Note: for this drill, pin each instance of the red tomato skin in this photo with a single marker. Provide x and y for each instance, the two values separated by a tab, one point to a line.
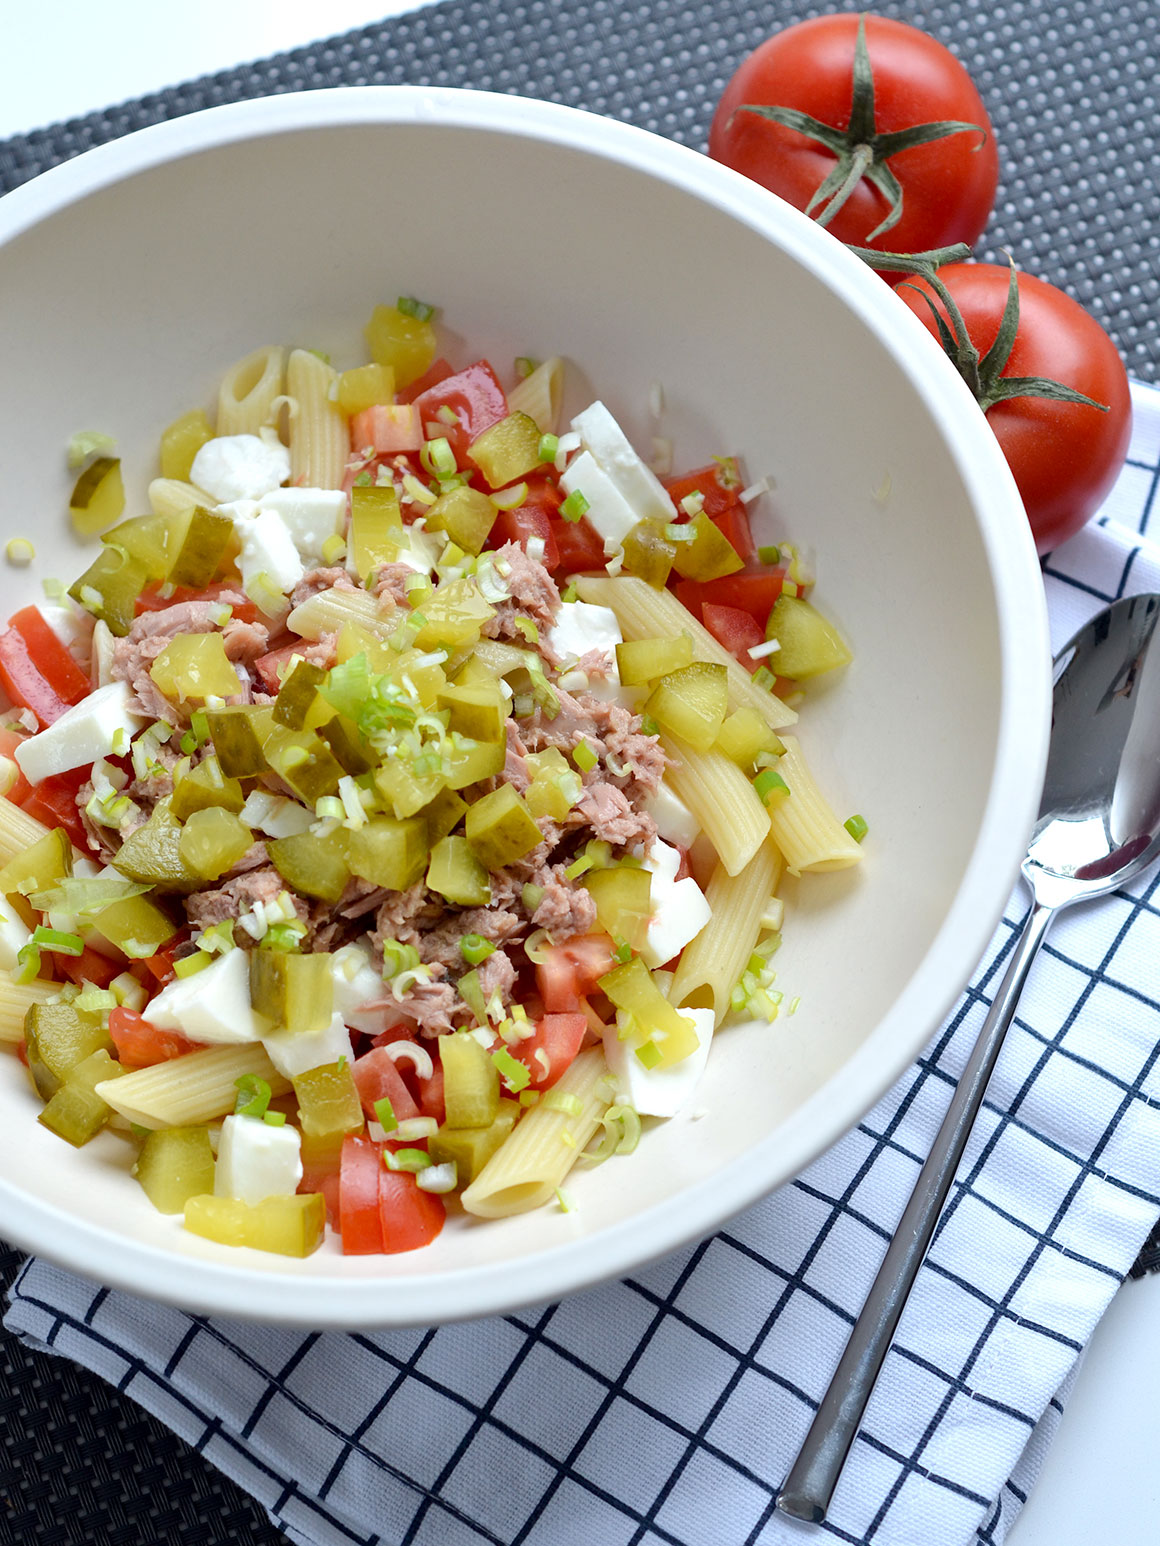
141	1045
751	590
534	518
409	1218
570	971
54	801
559	1037
720	497
949	185
376	1078
1064	456
37	669
358	1197
89	966
581	550
734	629
476	398
244	610
432	376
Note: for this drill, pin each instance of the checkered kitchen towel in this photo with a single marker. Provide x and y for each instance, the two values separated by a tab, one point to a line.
667	1408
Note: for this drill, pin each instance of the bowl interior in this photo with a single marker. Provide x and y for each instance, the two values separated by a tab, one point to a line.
535	235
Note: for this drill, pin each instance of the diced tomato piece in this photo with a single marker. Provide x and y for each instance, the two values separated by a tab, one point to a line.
244	611
158	968
432	376
270	666
752	590
358	1196
558	1037
570	971
579	546
9	741
522	523
316	1179
719	491
89	966
36	669
734	527
386	429
54	801
475	397
408	1216
141	1045
735	629
431	1093
377	1078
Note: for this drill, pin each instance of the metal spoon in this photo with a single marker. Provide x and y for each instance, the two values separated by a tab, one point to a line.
1099	824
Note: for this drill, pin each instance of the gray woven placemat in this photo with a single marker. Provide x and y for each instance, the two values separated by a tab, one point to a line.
1072	88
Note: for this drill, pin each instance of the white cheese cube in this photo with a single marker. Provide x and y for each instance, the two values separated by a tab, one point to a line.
658	1092
311	515
675	821
609	513
268	548
104	645
680	912
211	1006
293	1052
632	477
240	466
256	1160
81	734
275	815
663	862
419	551
580	627
13	936
357	981
72	626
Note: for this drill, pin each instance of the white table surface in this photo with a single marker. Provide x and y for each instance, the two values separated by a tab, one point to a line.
1101	1483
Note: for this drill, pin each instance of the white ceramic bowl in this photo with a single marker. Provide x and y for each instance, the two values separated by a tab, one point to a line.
130	277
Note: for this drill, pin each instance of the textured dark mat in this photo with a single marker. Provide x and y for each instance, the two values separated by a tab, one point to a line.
1072	89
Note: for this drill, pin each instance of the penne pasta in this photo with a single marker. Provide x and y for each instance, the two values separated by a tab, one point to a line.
16	998
191	1089
246	395
541	395
646	613
721	798
18	830
804	825
319	434
171	497
714	961
526	1170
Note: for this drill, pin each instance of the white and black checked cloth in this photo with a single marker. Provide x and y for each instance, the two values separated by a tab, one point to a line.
666	1408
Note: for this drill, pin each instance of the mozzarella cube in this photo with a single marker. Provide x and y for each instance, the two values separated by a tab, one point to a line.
658	1092
294	1052
580	627
13	936
609	513
675	821
421	549
268	548
663	861
240	466
256	1160
82	734
104	647
72	626
632	477
357	981
211	1006
275	815
680	913
310	515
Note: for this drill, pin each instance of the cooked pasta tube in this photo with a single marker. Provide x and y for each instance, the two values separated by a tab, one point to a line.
804	825
190	1089
171	497
646	613
18	830
712	963
526	1169
16	998
541	395
319	435
246	395
722	799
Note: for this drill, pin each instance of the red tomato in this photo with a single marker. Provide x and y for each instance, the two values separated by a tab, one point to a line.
948	185
752	590
36	669
571	971
432	376
158	968
474	396
534	518
558	1037
358	1196
54	801
1064	456
269	667
89	966
377	1078
579	546
141	1045
408	1216
735	630
719	488
386	429
245	611
9	740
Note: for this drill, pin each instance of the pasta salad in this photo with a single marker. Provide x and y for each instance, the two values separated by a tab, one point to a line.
393	814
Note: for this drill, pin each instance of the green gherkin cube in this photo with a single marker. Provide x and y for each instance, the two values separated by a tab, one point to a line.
500	830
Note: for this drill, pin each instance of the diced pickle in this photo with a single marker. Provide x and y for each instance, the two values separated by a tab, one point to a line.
506	451
328	1100
455	873
555	785
470	1148
212	841
152	854
364	386
631	988
98	497
145	538
295	991
180	443
109	589
472	761
297	694
376	528
710	555
37	868
648	553
57	1037
285	1226
203	787
454	614
810	644
175	1164
499	828
238	734
643	660
692	702
316	866
466	515
478	710
200	542
443	815
401	341
401	788
195	665
623	897
76	1112
744	735
425	676
304	762
389	853
136	925
346	744
470	1082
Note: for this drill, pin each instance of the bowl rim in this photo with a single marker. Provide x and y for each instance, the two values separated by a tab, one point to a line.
331	1301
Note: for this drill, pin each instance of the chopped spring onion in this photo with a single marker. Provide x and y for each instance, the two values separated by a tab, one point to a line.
446	414
438	458
398	957
385	1115
410	307
253	1096
475	949
769	555
525	365
595	855
648	725
19	551
418	491
549	448
94	999
675	532
188	966
274	1118
560	1100
419	1056
570	593
528	628
769	786
857	827
471	993
574	506
584	757
89	442
333	549
412	1160
623	951
763	677
509	498
566	1203
755	491
58	942
411	1129
514	1074
793	1004
760	651
649	1054
438	1178
692	504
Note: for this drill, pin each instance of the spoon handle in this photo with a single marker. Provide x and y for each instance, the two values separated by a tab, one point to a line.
814	1475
